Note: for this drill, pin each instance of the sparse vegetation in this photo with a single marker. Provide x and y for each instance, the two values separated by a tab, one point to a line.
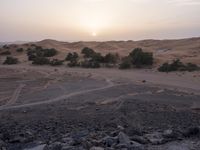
41	61
126	63
111	58
73	59
140	58
6	47
177	65
5	53
87	52
90	64
56	62
10	61
40	52
20	50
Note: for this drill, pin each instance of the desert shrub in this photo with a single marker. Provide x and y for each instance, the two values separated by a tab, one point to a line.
11	60
97	57
56	62
5	53
140	58
20	50
177	65
6	47
31	57
90	64
73	64
192	67
40	61
40	52
126	63
72	56
87	52
111	58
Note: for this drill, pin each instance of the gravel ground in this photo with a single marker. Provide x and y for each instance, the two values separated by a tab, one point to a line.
95	113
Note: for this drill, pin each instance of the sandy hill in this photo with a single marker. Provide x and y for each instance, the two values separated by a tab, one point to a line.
188	50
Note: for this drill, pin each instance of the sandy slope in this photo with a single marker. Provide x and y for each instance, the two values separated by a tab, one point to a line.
188	50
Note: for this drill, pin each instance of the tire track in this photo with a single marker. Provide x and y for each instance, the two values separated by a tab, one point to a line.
63	97
15	95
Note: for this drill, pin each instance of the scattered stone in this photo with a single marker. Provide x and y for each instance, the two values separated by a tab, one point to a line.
125	142
193	131
139	139
123	138
54	146
39	147
160	91
96	148
144	81
120	128
155	138
109	141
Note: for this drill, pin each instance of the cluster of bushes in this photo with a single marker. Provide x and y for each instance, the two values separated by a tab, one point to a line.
20	50
5	53
177	65
40	52
91	59
10	61
137	58
6	47
73	59
39	56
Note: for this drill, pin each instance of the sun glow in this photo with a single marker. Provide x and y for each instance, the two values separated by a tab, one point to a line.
94	34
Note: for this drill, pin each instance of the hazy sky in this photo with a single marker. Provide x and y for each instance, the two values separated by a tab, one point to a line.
74	20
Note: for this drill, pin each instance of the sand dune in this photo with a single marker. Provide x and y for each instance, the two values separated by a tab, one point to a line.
188	50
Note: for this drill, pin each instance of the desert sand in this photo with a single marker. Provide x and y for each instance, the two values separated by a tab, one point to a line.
187	50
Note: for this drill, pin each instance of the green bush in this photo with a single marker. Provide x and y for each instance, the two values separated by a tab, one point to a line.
10	61
5	53
87	52
97	57
6	47
73	64
192	67
72	56
177	65
140	58
56	62
20	50
111	58
126	63
90	64
40	52
41	61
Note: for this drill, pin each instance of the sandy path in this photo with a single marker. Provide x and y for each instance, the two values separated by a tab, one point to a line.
63	97
15	95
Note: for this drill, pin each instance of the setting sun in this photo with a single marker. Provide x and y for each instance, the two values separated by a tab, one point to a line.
94	34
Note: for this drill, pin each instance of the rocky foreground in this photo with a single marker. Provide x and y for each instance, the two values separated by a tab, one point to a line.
54	110
95	139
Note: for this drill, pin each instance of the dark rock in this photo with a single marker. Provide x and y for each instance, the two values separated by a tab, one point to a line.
155	138
139	139
125	142
54	146
191	132
109	141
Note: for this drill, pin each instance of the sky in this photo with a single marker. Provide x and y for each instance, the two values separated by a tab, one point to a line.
98	20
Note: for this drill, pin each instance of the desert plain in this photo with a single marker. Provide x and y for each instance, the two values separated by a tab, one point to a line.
62	108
